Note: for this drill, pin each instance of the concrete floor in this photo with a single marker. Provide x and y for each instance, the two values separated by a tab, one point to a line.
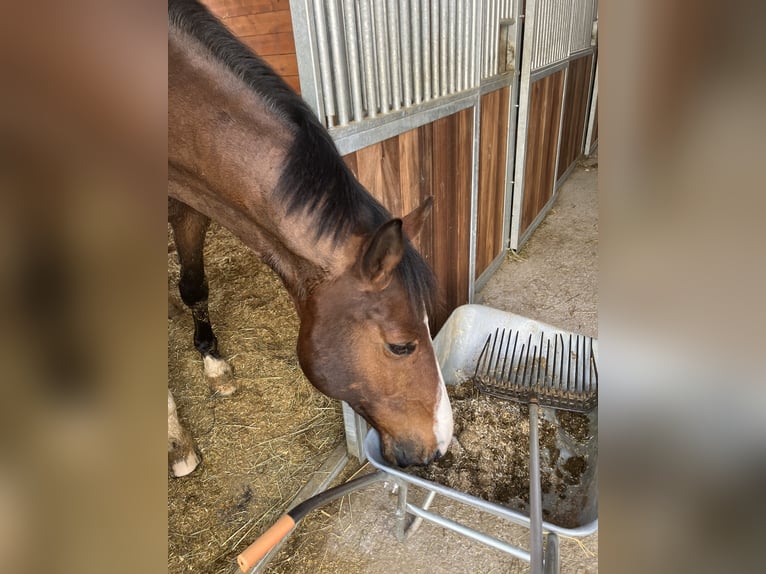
552	279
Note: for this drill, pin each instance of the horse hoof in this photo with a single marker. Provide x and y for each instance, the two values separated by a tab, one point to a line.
185	465
219	376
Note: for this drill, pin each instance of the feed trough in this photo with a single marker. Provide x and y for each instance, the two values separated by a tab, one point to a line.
569	509
569	505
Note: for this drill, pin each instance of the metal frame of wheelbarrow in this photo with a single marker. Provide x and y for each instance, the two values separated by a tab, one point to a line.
422	512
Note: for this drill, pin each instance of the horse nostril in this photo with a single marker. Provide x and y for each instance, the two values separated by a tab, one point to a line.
405	456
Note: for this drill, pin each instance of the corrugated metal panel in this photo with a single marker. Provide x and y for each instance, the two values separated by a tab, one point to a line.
583	14
379	56
552	26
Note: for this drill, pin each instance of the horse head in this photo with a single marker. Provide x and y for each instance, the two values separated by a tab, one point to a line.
364	339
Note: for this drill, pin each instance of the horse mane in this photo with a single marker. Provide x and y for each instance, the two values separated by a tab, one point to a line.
315	179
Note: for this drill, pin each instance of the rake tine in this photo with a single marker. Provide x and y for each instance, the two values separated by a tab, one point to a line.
513	357
481	363
569	365
526	361
547	360
518	367
575	383
490	370
505	357
593	364
496	380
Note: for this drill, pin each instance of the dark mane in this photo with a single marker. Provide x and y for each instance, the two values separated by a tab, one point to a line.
315	178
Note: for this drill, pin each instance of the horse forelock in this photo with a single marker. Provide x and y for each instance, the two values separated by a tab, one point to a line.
315	180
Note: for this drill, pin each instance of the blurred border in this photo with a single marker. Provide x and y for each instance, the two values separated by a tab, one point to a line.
83	234
683	406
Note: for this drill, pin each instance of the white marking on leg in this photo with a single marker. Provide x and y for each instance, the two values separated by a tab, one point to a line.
215	368
179	440
443	422
186	465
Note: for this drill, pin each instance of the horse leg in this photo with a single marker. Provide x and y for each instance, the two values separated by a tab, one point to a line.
182	453
189	229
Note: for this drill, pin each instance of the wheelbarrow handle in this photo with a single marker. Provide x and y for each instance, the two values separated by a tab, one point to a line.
268	540
282	527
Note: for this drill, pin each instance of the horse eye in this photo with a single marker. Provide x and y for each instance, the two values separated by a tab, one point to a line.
401	350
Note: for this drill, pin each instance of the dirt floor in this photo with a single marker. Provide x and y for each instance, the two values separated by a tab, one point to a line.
261	445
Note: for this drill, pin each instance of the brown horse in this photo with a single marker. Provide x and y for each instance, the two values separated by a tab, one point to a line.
247	152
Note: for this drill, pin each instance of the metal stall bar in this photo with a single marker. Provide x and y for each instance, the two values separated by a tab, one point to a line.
395	62
325	67
369	57
352	48
452	42
417	52
461	34
337	45
381	51
404	34
443	41
427	48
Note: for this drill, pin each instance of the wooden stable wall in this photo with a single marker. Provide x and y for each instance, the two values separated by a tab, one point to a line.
575	112
265	26
402	171
493	147
545	99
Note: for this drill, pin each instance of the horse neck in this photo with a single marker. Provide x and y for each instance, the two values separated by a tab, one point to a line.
226	151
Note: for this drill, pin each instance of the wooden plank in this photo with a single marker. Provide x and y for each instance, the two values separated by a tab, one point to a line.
350	160
414	184
575	112
545	103
451	153
270	44
378	171
426	237
283	64
492	164
294	82
230	8
278	22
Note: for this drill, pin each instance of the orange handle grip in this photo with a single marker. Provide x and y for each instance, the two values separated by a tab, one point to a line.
258	549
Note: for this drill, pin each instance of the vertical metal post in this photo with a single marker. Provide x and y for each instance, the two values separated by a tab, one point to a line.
356	429
301	12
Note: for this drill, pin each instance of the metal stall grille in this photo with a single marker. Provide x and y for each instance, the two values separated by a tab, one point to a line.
583	16
371	57
362	60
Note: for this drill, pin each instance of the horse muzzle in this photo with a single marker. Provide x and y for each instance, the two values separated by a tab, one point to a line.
408	453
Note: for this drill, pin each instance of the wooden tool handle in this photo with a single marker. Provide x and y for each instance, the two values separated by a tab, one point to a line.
258	549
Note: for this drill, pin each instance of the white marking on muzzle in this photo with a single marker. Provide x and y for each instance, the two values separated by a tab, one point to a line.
443	423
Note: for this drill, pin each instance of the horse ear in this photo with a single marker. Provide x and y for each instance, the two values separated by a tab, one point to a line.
413	222
383	253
